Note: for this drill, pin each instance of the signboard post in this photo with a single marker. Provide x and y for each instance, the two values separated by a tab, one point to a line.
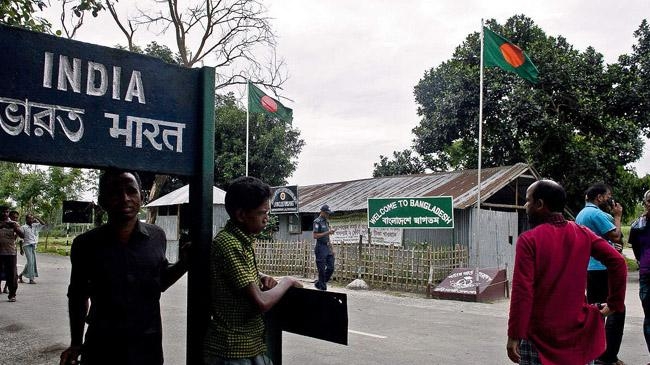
69	103
412	213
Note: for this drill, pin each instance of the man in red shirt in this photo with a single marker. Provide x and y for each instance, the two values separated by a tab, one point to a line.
550	321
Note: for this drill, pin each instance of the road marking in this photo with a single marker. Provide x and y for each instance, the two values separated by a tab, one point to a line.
366	334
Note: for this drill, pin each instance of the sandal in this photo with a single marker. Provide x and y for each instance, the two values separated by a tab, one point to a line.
12	299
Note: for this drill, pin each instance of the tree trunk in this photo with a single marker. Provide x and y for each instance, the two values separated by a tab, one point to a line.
154	193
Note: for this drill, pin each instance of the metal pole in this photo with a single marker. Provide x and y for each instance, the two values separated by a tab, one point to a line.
478	194
198	314
248	96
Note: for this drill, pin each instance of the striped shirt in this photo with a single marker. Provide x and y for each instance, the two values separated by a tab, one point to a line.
236	328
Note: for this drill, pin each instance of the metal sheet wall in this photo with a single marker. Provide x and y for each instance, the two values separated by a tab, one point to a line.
497	238
169	224
441	237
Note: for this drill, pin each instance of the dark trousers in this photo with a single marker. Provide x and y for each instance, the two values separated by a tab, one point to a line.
644	295
124	349
597	292
325	268
324	264
8	268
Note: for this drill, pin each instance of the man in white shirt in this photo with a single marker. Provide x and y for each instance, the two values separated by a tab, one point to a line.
31	229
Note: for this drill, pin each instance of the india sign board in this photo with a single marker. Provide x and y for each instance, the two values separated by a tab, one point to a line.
416	212
285	200
78	104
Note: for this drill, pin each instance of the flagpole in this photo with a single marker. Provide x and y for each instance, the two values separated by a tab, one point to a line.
480	145
248	106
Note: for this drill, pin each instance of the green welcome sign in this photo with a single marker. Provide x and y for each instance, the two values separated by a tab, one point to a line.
422	212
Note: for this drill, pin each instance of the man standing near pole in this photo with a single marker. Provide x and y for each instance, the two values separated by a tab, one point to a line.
550	322
119	271
323	250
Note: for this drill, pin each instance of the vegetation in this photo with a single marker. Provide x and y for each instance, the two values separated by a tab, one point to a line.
40	190
234	37
274	145
581	124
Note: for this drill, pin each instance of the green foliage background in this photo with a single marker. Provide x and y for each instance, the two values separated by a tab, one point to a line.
582	123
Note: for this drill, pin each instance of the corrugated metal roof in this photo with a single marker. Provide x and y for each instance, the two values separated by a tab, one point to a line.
182	196
461	185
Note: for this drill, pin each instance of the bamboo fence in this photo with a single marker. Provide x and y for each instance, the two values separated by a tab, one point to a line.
380	266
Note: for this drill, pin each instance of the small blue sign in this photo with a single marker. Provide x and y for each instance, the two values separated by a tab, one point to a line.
70	103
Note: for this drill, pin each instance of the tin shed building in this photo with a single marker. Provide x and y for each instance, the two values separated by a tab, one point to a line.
174	214
502	215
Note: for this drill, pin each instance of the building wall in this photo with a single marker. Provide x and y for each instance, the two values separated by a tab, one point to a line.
459	235
170	224
283	233
435	237
498	234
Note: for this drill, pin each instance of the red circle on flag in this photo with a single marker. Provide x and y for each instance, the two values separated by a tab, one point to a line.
269	104
512	54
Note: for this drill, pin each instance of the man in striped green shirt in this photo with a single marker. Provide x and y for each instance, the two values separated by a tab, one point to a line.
239	292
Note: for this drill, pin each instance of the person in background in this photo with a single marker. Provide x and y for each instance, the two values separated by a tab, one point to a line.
9	231
640	242
31	229
550	322
239	292
595	216
119	271
323	249
14	215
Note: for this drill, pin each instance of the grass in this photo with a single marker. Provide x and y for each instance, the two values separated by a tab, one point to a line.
57	245
632	265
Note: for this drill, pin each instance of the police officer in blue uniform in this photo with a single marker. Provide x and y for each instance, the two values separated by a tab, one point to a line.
323	249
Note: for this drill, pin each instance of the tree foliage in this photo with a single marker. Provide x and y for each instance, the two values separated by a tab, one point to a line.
404	163
39	189
581	124
274	145
233	36
21	13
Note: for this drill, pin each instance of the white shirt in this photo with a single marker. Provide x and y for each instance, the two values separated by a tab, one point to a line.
31	233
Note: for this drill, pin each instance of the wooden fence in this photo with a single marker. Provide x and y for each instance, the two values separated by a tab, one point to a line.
381	266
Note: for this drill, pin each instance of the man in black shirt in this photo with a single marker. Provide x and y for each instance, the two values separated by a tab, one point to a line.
121	269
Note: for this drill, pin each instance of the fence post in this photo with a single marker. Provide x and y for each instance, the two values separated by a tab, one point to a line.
359	257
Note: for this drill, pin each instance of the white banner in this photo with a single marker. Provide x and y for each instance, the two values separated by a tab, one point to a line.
350	226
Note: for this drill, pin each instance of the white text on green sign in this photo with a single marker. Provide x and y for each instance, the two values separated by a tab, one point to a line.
415	212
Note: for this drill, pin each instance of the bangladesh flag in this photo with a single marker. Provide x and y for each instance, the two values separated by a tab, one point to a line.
258	102
500	52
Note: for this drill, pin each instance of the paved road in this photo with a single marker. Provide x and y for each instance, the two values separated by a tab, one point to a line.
386	328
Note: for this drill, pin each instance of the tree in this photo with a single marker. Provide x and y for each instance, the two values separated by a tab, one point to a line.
575	126
227	35
20	13
274	145
233	36
39	189
404	163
